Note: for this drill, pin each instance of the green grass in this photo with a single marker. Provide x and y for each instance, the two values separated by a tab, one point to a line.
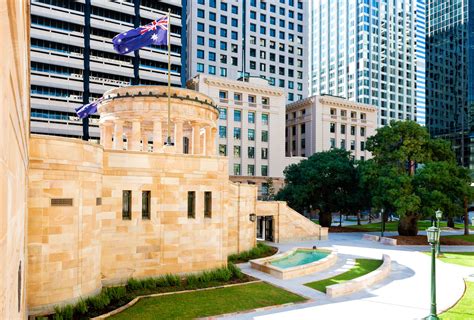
209	303
461	258
469	238
393	226
464	308
362	267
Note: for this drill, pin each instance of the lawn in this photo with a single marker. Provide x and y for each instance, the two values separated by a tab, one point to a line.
465	259
469	238
393	226
362	267
209	302
464	308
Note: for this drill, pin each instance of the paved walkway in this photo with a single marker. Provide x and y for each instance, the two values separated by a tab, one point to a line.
404	294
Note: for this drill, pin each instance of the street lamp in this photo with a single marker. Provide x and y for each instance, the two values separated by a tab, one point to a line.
439	215
432	234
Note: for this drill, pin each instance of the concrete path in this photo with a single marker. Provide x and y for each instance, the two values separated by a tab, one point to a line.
405	294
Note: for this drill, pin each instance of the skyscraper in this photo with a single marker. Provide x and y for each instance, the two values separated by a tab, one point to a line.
371	52
449	75
252	37
73	61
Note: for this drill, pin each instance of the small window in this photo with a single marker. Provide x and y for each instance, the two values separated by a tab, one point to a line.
126	204
61	202
146	197
191	204
207	204
98	201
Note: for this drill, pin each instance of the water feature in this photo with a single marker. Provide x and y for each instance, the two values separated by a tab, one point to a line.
299	257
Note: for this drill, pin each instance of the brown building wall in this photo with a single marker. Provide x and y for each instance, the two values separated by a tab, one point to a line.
14	125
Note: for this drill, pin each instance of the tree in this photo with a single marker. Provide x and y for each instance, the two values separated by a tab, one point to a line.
271	188
396	183
326	181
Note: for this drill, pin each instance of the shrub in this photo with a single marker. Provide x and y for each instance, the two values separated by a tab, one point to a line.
99	301
81	307
192	281
222	274
115	293
149	283
256	252
134	284
205	277
173	280
235	270
63	313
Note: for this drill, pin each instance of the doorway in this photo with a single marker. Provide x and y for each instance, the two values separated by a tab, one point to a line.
265	228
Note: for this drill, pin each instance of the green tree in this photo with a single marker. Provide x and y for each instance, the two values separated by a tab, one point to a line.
326	181
396	185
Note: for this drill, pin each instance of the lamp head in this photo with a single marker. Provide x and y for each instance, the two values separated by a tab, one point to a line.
439	214
432	233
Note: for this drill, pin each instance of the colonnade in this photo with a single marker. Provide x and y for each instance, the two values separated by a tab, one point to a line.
138	133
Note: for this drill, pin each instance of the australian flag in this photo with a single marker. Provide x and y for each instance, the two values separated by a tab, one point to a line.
87	109
155	33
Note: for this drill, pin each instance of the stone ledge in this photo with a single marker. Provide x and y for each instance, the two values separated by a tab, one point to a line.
388	241
370	237
136	299
337	290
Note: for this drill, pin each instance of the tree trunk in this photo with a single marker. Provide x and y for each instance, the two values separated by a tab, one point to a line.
325	219
407	226
450	222
358	218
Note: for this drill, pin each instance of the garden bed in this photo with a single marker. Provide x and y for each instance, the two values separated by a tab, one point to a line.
260	251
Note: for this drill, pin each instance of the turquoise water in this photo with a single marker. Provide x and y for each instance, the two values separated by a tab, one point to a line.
298	258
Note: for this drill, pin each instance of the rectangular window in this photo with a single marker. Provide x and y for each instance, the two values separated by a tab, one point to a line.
353	145
222	113
343	144
236	169
332	142
191	204
207	204
251	170
251	134
222	132
251	152
146	197
251	117
362	132
265	136
237	133
343	129
126	204
264	153
237	115
264	170
223	150
353	130
332	127
265	118
236	151
362	146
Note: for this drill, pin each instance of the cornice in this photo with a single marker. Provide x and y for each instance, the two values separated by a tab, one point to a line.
338	102
243	86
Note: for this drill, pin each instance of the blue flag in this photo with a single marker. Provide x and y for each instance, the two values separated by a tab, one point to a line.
155	33
87	109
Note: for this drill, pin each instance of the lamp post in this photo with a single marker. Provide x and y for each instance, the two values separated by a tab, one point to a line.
383	221
439	215
433	238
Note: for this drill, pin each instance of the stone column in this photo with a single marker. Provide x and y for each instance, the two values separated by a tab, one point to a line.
102	134
157	136
144	141
214	141
134	144
196	139
209	141
108	135
178	136
118	135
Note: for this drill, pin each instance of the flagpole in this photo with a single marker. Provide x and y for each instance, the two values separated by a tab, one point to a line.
169	77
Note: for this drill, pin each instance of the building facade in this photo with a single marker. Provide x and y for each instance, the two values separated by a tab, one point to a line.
252	38
172	208
449	73
250	126
73	61
372	52
321	123
14	153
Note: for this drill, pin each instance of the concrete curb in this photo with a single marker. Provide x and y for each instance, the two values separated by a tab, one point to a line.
136	299
337	290
370	237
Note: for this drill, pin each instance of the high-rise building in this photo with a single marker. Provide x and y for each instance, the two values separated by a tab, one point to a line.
252	38
73	61
449	73
371	52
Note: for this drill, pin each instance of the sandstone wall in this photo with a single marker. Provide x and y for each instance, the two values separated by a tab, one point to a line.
169	242
290	225
14	133
63	241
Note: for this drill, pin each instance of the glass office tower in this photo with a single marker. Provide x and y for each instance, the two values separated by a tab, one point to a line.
371	52
73	61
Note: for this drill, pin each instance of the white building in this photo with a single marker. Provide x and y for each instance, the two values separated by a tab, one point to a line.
251	124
